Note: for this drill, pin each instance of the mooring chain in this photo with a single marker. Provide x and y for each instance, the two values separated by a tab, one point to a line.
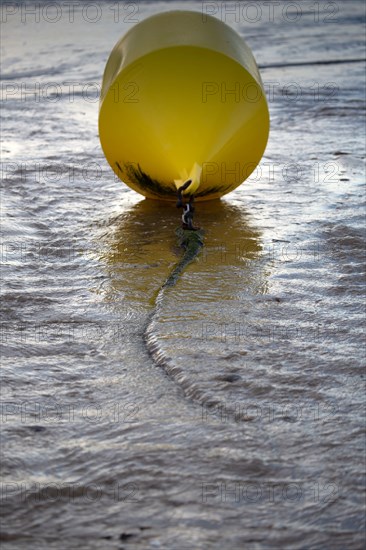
188	208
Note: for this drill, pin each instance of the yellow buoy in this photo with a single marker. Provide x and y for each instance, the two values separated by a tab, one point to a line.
182	98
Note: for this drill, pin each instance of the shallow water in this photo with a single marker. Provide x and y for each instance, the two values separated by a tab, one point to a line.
248	433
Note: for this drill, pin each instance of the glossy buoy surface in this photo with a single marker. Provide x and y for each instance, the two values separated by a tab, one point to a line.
182	97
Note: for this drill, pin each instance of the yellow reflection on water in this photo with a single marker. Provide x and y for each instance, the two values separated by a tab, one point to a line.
140	248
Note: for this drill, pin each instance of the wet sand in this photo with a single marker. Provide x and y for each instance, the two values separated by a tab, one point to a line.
249	433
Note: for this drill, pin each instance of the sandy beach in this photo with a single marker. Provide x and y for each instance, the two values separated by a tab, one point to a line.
249	434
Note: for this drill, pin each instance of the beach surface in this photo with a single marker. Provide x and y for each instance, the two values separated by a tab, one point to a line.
249	435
